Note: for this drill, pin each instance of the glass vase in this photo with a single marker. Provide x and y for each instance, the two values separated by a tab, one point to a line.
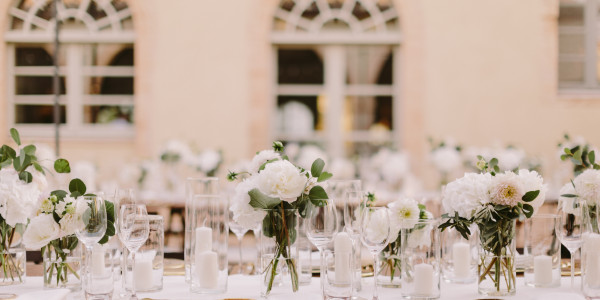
13	260
389	265
420	252
148	271
62	266
496	269
279	254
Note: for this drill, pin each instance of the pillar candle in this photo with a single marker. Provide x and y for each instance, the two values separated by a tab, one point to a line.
98	261
591	244
423	281
143	274
207	269
461	259
542	270
342	247
203	239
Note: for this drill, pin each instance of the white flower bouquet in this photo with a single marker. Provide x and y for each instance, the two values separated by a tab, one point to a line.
493	201
446	158
273	187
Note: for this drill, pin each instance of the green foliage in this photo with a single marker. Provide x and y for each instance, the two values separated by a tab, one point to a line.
277	146
318	196
317	167
581	157
15	136
530	196
61	165
457	222
77	188
324	176
262	201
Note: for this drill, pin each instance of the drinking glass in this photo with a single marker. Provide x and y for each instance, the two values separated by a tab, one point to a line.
374	234
134	228
93	228
239	232
321	227
570	228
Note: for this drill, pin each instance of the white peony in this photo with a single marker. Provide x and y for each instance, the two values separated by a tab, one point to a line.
260	158
404	214
180	150
506	189
567	202
587	185
395	168
40	231
209	160
446	159
510	158
466	194
244	214
281	179
532	181
18	200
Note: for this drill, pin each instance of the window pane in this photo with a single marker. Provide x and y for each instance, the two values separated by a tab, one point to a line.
37	85
571	43
37	114
368	113
104	114
108	86
298	115
369	65
299	66
571	16
570	71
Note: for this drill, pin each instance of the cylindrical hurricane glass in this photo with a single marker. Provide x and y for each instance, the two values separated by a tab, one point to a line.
459	256
149	259
542	249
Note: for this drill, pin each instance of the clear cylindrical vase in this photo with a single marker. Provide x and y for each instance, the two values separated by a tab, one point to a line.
390	265
459	256
338	271
62	264
496	271
279	252
304	255
209	264
542	249
420	251
148	271
13	260
194	187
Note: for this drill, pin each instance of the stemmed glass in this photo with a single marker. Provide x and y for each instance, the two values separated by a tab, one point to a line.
91	230
321	227
134	228
239	232
570	228
374	234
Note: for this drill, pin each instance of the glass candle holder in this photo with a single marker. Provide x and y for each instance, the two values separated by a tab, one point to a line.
459	256
99	282
304	255
339	264
208	255
590	266
193	187
542	249
149	260
420	255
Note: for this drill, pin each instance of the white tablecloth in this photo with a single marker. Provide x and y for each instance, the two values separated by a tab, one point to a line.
248	287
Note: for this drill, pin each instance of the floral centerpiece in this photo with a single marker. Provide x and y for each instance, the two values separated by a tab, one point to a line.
272	190
404	214
446	157
22	183
53	230
493	201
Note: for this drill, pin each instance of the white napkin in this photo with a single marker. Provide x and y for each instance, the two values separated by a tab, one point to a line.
58	294
559	296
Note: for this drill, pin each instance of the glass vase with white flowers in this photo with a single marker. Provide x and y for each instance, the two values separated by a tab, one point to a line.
53	231
273	194
493	201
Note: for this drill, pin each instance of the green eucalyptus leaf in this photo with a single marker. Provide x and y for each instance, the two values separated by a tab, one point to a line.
60	194
6	163
61	165
39	168
15	136
29	149
577	156
530	196
528	210
317	167
569	195
317	193
25	176
260	200
77	186
592	157
493	162
324	176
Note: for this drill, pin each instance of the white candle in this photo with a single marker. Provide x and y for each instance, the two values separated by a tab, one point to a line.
342	247
423	280
461	259
203	239
591	244
207	269
98	262
143	274
542	270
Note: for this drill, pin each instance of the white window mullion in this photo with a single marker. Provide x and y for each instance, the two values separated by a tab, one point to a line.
74	82
10	84
335	80
397	103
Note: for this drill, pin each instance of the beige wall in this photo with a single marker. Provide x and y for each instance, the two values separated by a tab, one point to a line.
478	70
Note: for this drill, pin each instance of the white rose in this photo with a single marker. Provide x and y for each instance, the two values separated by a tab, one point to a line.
40	231
244	214
404	214
260	158
587	185
19	200
466	194
446	159
532	181
281	179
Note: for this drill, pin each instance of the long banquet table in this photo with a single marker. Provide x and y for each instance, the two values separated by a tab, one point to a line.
247	287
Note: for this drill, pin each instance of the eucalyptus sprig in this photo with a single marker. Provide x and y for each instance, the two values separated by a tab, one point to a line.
485	166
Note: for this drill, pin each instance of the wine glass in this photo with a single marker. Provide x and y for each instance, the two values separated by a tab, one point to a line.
374	234
239	232
321	226
134	228
570	228
92	213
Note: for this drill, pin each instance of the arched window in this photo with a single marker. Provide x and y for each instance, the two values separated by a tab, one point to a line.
95	61
338	60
